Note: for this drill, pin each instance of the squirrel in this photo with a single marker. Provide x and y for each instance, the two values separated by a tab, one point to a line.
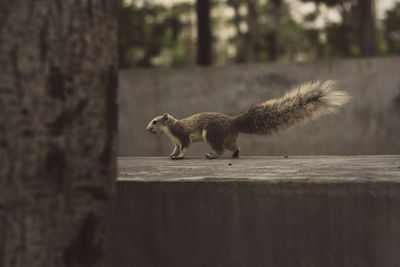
307	102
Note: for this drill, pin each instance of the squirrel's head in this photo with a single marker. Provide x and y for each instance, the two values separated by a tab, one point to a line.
160	124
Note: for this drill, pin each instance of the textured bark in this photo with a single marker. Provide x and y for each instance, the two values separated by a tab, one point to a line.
58	111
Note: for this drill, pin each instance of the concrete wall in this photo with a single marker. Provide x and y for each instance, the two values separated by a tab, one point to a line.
238	224
322	211
370	124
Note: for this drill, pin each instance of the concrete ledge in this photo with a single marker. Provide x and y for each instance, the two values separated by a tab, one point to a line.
261	211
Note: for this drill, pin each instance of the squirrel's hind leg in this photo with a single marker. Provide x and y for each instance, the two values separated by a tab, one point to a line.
216	142
214	155
231	144
235	150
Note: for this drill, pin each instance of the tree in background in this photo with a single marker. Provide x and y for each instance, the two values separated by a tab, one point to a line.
204	36
392	30
58	123
272	37
151	35
261	31
367	28
242	39
281	37
356	34
265	32
341	38
245	39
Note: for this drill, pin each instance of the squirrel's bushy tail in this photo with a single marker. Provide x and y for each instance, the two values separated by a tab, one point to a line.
306	102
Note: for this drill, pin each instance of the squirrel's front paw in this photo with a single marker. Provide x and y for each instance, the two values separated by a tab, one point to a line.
173	157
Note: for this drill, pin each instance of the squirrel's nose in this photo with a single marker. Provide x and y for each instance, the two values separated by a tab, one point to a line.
150	130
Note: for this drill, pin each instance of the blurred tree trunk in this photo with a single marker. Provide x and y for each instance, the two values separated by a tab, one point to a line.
190	51
204	38
346	28
240	56
249	40
272	41
367	28
272	37
58	119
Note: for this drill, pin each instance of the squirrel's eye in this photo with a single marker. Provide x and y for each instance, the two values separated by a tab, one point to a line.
154	122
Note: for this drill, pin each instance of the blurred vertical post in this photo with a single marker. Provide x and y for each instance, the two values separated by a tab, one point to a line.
189	36
204	37
368	41
252	29
58	123
272	37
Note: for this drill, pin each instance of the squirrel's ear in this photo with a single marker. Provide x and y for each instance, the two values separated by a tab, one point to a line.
165	116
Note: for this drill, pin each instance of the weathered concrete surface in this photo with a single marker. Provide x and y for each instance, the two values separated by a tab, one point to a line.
258	211
369	124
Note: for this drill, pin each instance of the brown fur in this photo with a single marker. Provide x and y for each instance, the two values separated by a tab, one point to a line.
220	131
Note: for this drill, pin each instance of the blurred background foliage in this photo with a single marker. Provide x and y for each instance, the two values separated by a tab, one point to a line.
220	32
